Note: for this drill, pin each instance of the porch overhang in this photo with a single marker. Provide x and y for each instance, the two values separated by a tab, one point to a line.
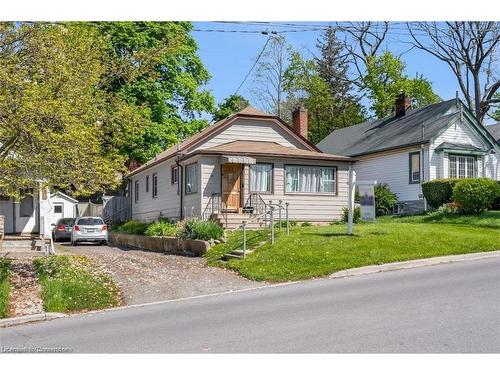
237	159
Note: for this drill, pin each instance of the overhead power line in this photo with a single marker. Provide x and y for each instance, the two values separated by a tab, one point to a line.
255	63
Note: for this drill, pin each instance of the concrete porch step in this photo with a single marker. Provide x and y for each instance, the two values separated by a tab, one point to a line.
9	244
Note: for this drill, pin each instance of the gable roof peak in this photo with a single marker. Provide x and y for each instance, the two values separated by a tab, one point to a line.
253	111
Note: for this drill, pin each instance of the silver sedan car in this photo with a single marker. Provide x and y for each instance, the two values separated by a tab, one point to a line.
89	229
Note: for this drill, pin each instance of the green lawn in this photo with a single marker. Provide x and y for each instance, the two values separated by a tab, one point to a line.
321	250
4	287
74	283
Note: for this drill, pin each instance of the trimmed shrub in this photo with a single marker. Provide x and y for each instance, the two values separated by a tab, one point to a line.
385	200
131	227
475	194
356	218
438	192
196	229
496	204
161	228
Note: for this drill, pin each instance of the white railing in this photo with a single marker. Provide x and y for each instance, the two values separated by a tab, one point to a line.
271	213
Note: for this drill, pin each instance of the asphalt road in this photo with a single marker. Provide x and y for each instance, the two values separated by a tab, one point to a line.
445	308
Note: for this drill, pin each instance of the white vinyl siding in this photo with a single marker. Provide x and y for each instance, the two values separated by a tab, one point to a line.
306	207
462	133
391	168
251	130
167	203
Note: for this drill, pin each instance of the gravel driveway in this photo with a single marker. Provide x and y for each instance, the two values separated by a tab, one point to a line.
147	277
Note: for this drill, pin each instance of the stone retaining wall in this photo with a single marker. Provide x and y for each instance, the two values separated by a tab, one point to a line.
168	245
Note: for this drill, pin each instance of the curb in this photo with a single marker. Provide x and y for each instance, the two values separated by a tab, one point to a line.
9	322
367	270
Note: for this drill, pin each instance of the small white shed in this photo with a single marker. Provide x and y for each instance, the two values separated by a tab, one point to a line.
63	206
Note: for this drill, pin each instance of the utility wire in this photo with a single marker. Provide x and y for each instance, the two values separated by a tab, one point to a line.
255	63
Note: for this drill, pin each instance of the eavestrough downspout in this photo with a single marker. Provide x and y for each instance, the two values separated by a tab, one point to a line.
179	186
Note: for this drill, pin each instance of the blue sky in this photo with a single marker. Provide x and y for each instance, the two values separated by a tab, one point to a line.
229	56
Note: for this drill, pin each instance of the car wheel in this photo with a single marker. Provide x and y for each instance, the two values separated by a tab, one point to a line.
104	243
74	243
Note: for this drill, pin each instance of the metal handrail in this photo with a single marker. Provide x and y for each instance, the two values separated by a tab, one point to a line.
269	212
216	206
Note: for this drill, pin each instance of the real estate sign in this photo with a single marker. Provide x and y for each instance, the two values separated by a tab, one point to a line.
367	200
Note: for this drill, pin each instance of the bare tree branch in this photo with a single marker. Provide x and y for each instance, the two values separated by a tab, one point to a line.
470	49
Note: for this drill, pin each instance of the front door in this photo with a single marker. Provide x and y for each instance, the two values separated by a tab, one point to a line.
231	186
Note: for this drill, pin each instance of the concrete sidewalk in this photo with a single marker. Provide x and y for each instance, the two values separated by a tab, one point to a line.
413	264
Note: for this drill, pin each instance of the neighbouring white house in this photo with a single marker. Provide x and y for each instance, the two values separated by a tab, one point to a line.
415	145
234	167
35	211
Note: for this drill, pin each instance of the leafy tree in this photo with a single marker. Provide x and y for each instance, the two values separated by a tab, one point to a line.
385	79
321	85
55	120
232	104
155	66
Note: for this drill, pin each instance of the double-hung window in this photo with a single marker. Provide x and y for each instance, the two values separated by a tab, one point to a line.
461	166
191	178
174	175
155	185
310	179
414	167
136	191
261	177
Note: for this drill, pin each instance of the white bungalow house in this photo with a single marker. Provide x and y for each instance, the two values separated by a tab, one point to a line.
416	145
236	166
35	211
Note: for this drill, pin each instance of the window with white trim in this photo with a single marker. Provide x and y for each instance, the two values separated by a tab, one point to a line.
58	208
155	184
310	179
147	184
174	175
461	166
261	177
191	178
414	167
136	191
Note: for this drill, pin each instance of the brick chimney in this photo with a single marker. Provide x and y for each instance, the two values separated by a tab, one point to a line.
299	121
403	104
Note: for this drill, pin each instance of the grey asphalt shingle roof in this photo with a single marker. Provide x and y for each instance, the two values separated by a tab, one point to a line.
494	130
416	127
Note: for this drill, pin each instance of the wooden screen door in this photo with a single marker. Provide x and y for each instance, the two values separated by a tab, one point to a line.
231	186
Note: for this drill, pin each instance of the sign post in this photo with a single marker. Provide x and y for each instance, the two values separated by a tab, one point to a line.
352	187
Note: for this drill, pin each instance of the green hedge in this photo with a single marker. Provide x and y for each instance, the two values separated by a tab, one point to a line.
474	195
438	192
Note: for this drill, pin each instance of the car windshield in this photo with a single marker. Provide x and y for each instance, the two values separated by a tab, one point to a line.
90	221
67	221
